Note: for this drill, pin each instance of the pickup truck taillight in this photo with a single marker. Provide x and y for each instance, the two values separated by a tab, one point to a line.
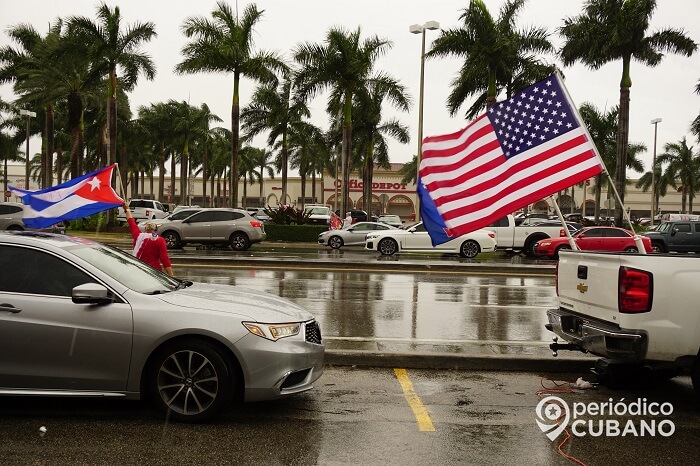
635	291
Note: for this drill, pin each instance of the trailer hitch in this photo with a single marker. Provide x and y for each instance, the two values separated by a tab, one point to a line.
556	347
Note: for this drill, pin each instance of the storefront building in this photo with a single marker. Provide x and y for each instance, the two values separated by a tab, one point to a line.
389	194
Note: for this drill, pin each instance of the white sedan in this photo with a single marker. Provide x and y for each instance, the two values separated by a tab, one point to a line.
417	239
353	236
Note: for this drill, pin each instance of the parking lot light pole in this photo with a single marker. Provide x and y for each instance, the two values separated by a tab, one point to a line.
28	114
420	29
654	122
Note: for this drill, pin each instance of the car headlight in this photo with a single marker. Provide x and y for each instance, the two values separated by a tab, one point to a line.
545	243
272	331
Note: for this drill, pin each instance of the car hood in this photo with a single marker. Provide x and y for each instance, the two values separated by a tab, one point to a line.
245	302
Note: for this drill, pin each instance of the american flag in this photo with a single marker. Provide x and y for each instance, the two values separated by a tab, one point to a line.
517	153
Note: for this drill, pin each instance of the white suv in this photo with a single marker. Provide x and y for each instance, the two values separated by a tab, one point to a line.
320	214
143	209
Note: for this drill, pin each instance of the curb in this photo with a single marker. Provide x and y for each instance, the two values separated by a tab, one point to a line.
447	361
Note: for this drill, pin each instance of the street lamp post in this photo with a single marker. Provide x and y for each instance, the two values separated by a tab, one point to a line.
28	114
420	29
654	122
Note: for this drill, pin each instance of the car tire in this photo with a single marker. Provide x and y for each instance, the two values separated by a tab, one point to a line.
469	249
15	228
239	242
388	246
190	381
335	242
658	246
561	248
631	249
172	239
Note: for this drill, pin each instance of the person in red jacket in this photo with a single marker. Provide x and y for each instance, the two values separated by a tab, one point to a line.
148	246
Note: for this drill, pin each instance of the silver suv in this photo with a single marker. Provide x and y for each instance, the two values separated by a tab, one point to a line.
227	226
11	214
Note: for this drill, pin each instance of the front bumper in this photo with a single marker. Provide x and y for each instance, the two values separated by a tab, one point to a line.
598	337
276	369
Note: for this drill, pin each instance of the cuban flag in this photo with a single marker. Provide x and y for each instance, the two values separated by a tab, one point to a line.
77	198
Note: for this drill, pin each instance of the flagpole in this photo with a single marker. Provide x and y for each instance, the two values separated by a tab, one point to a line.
625	214
572	243
121	183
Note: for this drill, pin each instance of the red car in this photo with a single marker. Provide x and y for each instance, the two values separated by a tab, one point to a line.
593	239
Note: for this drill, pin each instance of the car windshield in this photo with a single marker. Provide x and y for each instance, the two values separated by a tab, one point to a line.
125	268
182	214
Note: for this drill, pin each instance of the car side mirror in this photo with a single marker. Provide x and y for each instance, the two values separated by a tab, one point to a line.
582	235
674	231
91	293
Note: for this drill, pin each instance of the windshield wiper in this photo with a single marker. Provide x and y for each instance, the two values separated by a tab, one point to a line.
183	284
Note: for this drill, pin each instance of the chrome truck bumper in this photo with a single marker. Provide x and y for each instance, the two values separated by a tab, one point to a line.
597	337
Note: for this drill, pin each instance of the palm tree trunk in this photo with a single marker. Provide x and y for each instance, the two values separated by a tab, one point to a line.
235	123
161	172
285	163
598	180
622	141
48	179
112	116
204	178
347	150
59	165
172	177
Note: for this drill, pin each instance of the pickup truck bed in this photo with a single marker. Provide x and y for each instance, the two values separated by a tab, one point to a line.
640	308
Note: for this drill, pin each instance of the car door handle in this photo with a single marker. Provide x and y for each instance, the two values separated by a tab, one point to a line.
10	308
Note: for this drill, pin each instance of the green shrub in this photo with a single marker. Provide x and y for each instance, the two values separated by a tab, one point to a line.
287	215
96	222
295	233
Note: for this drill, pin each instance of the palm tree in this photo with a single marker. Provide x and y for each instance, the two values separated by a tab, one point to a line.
224	44
157	119
496	55
276	110
262	160
371	129
343	64
610	30
662	180
409	171
31	57
682	167
110	46
309	153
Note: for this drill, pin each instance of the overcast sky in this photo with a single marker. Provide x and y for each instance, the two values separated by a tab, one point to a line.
666	91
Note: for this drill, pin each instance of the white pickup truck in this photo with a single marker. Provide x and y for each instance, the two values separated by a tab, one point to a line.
522	237
638	310
143	209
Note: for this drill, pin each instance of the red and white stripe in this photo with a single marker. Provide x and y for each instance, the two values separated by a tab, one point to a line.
473	184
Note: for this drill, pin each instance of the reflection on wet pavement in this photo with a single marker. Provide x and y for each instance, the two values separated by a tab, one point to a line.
419	306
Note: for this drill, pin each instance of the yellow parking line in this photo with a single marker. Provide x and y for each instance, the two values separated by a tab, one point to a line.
422	416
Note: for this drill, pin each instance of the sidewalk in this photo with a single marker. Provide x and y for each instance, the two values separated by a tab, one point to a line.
528	356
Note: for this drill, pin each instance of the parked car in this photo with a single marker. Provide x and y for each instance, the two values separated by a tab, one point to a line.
358	216
135	332
417	239
393	220
259	213
181	214
183	207
11	214
593	239
214	226
143	209
318	214
520	218
572	226
353	236
675	236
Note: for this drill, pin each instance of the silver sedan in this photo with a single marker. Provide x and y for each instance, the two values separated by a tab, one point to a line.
353	236
78	318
